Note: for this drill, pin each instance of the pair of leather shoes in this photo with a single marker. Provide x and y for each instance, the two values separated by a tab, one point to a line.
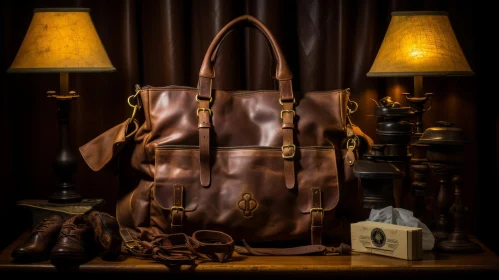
40	241
76	240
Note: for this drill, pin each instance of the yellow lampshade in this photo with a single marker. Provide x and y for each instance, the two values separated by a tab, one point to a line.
61	40
420	44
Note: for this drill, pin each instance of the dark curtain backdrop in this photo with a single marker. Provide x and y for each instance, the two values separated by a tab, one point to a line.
328	45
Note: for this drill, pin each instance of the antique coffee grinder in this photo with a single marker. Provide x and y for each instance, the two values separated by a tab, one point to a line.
393	130
445	157
387	161
393	133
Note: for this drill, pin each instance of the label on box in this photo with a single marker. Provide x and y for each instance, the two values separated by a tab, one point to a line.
388	240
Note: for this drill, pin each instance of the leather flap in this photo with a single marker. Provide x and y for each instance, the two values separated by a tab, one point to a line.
102	149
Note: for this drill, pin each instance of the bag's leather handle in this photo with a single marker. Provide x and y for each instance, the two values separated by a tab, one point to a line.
282	71
287	100
269	46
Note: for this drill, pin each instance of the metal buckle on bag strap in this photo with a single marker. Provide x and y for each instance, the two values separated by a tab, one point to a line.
288	111
203	109
129	241
288	146
321	210
177	208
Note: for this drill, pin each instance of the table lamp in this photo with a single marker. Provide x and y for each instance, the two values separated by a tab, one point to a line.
417	44
62	40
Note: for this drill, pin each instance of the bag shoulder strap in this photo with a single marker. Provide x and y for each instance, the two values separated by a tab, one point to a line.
342	249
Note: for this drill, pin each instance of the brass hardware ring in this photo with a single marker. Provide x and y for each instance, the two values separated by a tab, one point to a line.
197	98
356	106
280	101
352	142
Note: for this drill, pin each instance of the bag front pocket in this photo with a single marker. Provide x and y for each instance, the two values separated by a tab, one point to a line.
247	197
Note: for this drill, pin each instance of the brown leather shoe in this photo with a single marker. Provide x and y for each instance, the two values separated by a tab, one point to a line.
41	240
106	234
74	243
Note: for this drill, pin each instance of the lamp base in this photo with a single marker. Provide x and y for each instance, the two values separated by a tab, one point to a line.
65	193
41	209
463	246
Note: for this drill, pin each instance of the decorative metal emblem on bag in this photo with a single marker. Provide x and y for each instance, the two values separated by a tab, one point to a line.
247	204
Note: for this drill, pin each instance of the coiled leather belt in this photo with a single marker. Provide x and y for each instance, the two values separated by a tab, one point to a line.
181	249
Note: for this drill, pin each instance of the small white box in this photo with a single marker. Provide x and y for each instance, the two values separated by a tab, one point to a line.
388	240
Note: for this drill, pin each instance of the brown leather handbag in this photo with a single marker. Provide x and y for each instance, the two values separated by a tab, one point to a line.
260	166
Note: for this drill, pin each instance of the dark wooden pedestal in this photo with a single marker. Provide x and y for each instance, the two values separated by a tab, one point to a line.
484	265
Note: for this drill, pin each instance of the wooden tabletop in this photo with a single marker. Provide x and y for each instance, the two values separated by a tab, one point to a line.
357	264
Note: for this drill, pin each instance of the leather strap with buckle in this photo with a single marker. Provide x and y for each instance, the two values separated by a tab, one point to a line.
288	147
316	216
177	211
128	240
203	112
